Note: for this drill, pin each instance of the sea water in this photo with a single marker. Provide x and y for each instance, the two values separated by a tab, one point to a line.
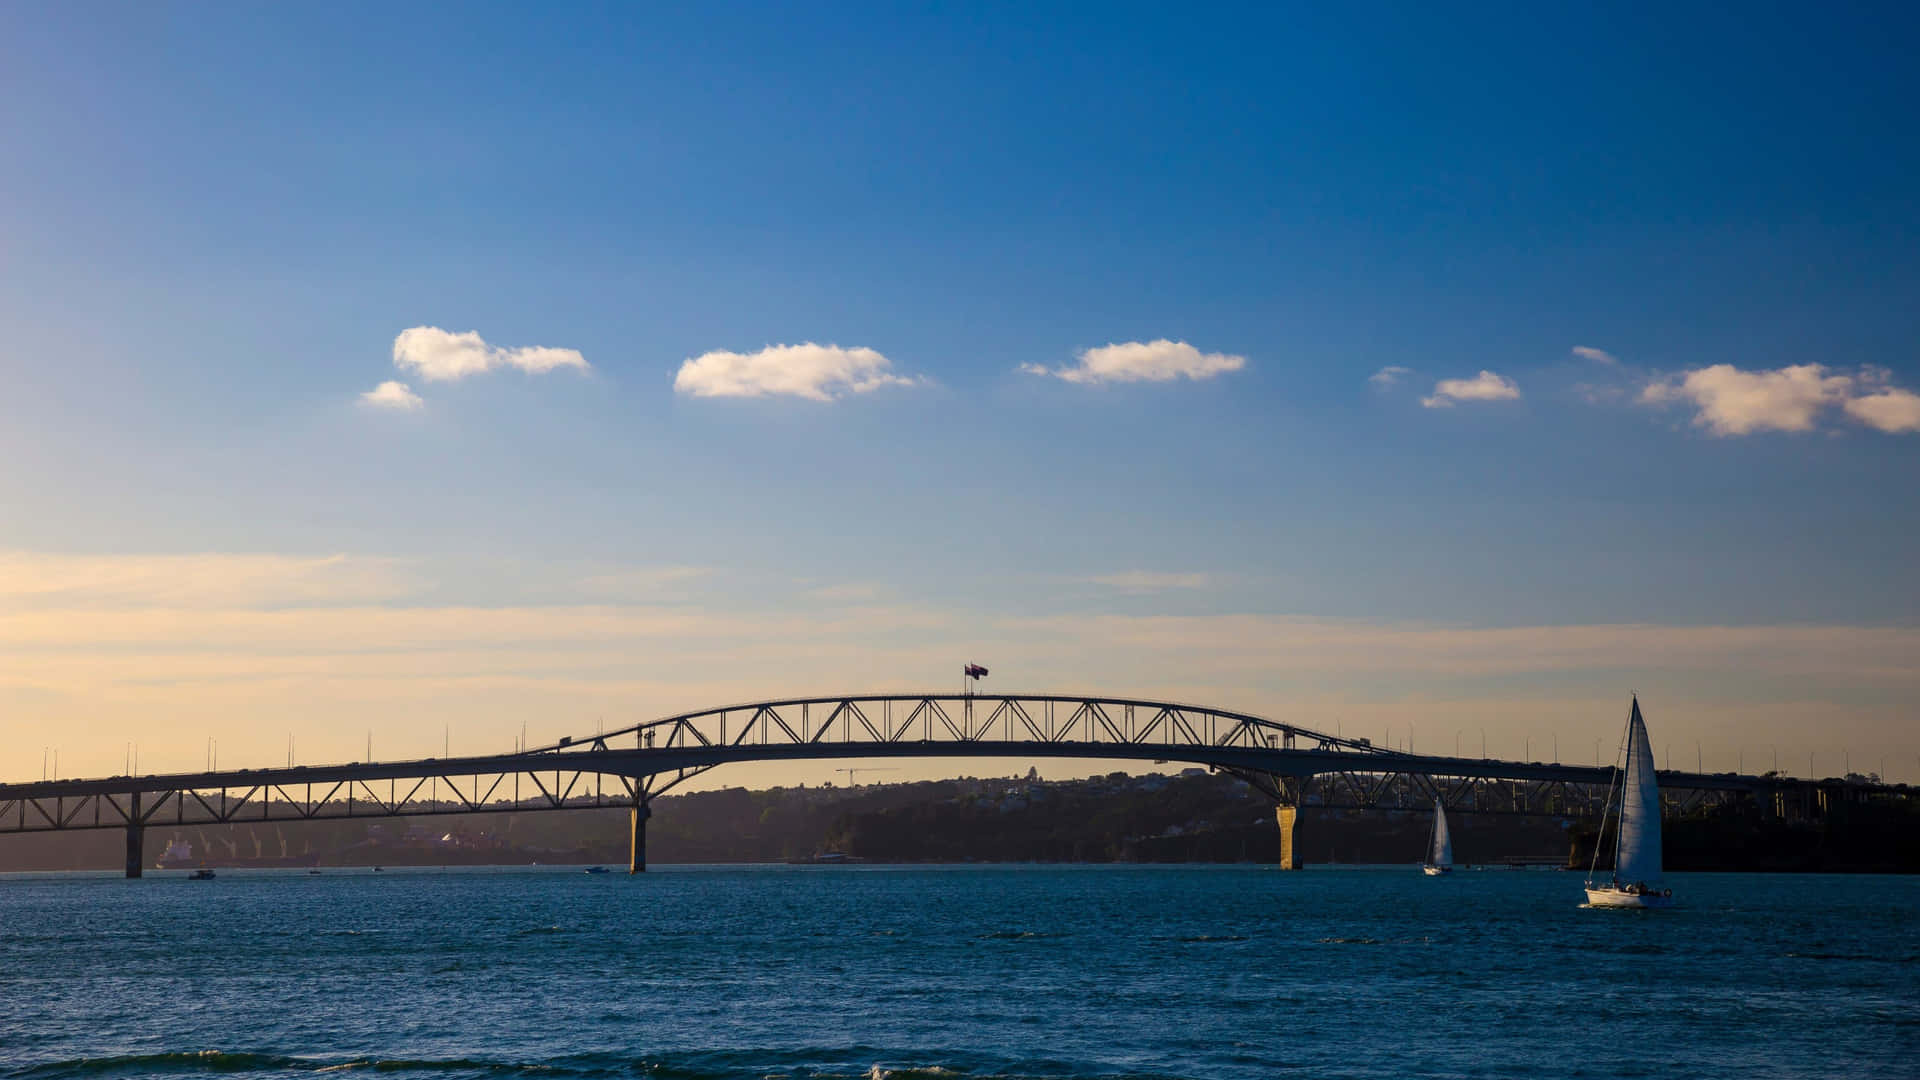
987	971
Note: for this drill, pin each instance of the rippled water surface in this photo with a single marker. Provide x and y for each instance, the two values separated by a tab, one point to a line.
971	971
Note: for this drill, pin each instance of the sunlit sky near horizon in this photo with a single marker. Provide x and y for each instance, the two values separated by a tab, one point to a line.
441	370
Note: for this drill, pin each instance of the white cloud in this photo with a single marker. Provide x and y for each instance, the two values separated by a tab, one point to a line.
1598	356
815	372
1150	581
1142	361
1891	410
1729	401
1388	377
442	356
392	395
1485	386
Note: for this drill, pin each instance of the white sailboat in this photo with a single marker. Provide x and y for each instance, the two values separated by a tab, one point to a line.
1439	845
1636	856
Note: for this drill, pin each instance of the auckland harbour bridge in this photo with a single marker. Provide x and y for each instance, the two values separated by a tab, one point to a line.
1291	766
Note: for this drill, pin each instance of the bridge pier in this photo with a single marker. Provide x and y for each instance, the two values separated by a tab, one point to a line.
136	844
637	853
1287	817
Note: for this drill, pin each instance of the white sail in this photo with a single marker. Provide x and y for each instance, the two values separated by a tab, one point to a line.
1638	857
1442	853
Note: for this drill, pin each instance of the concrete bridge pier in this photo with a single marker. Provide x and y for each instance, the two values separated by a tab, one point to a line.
136	837
637	853
1288	817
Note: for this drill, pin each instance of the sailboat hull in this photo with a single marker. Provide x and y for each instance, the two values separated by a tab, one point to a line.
1436	871
1620	898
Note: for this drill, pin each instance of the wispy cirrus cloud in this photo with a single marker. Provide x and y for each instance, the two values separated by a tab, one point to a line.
392	395
641	582
1151	581
32	580
173	648
1486	386
1598	356
1160	360
807	370
1389	377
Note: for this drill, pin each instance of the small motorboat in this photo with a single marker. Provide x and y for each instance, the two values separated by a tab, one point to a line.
596	870
202	874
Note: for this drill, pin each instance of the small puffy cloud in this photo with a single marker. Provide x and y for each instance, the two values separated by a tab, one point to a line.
442	356
1388	377
1729	401
392	395
1142	361
1598	356
815	372
1891	410
1485	386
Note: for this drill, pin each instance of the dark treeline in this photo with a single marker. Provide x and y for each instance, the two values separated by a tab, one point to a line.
1193	817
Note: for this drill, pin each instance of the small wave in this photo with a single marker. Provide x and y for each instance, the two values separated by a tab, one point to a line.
1207	939
1346	941
531	931
1016	935
188	1063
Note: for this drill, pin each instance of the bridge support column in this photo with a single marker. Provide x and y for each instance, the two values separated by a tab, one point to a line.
1287	816
637	853
136	844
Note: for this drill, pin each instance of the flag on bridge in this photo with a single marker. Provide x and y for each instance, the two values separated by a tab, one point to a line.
975	671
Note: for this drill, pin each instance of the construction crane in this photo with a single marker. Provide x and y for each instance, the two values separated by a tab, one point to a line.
851	772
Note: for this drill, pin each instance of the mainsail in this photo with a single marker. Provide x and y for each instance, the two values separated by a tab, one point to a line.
1638	857
1442	853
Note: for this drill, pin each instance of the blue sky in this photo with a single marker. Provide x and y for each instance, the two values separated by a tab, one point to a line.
217	221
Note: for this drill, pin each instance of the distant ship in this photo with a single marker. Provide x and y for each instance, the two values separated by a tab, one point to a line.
178	855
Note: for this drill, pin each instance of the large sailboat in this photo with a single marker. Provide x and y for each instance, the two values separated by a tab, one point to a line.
1636	855
1439	845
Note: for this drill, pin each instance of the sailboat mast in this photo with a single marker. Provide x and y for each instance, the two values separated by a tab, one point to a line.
1613	780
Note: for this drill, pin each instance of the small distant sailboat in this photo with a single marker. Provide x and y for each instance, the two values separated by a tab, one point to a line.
1439	845
1636	854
